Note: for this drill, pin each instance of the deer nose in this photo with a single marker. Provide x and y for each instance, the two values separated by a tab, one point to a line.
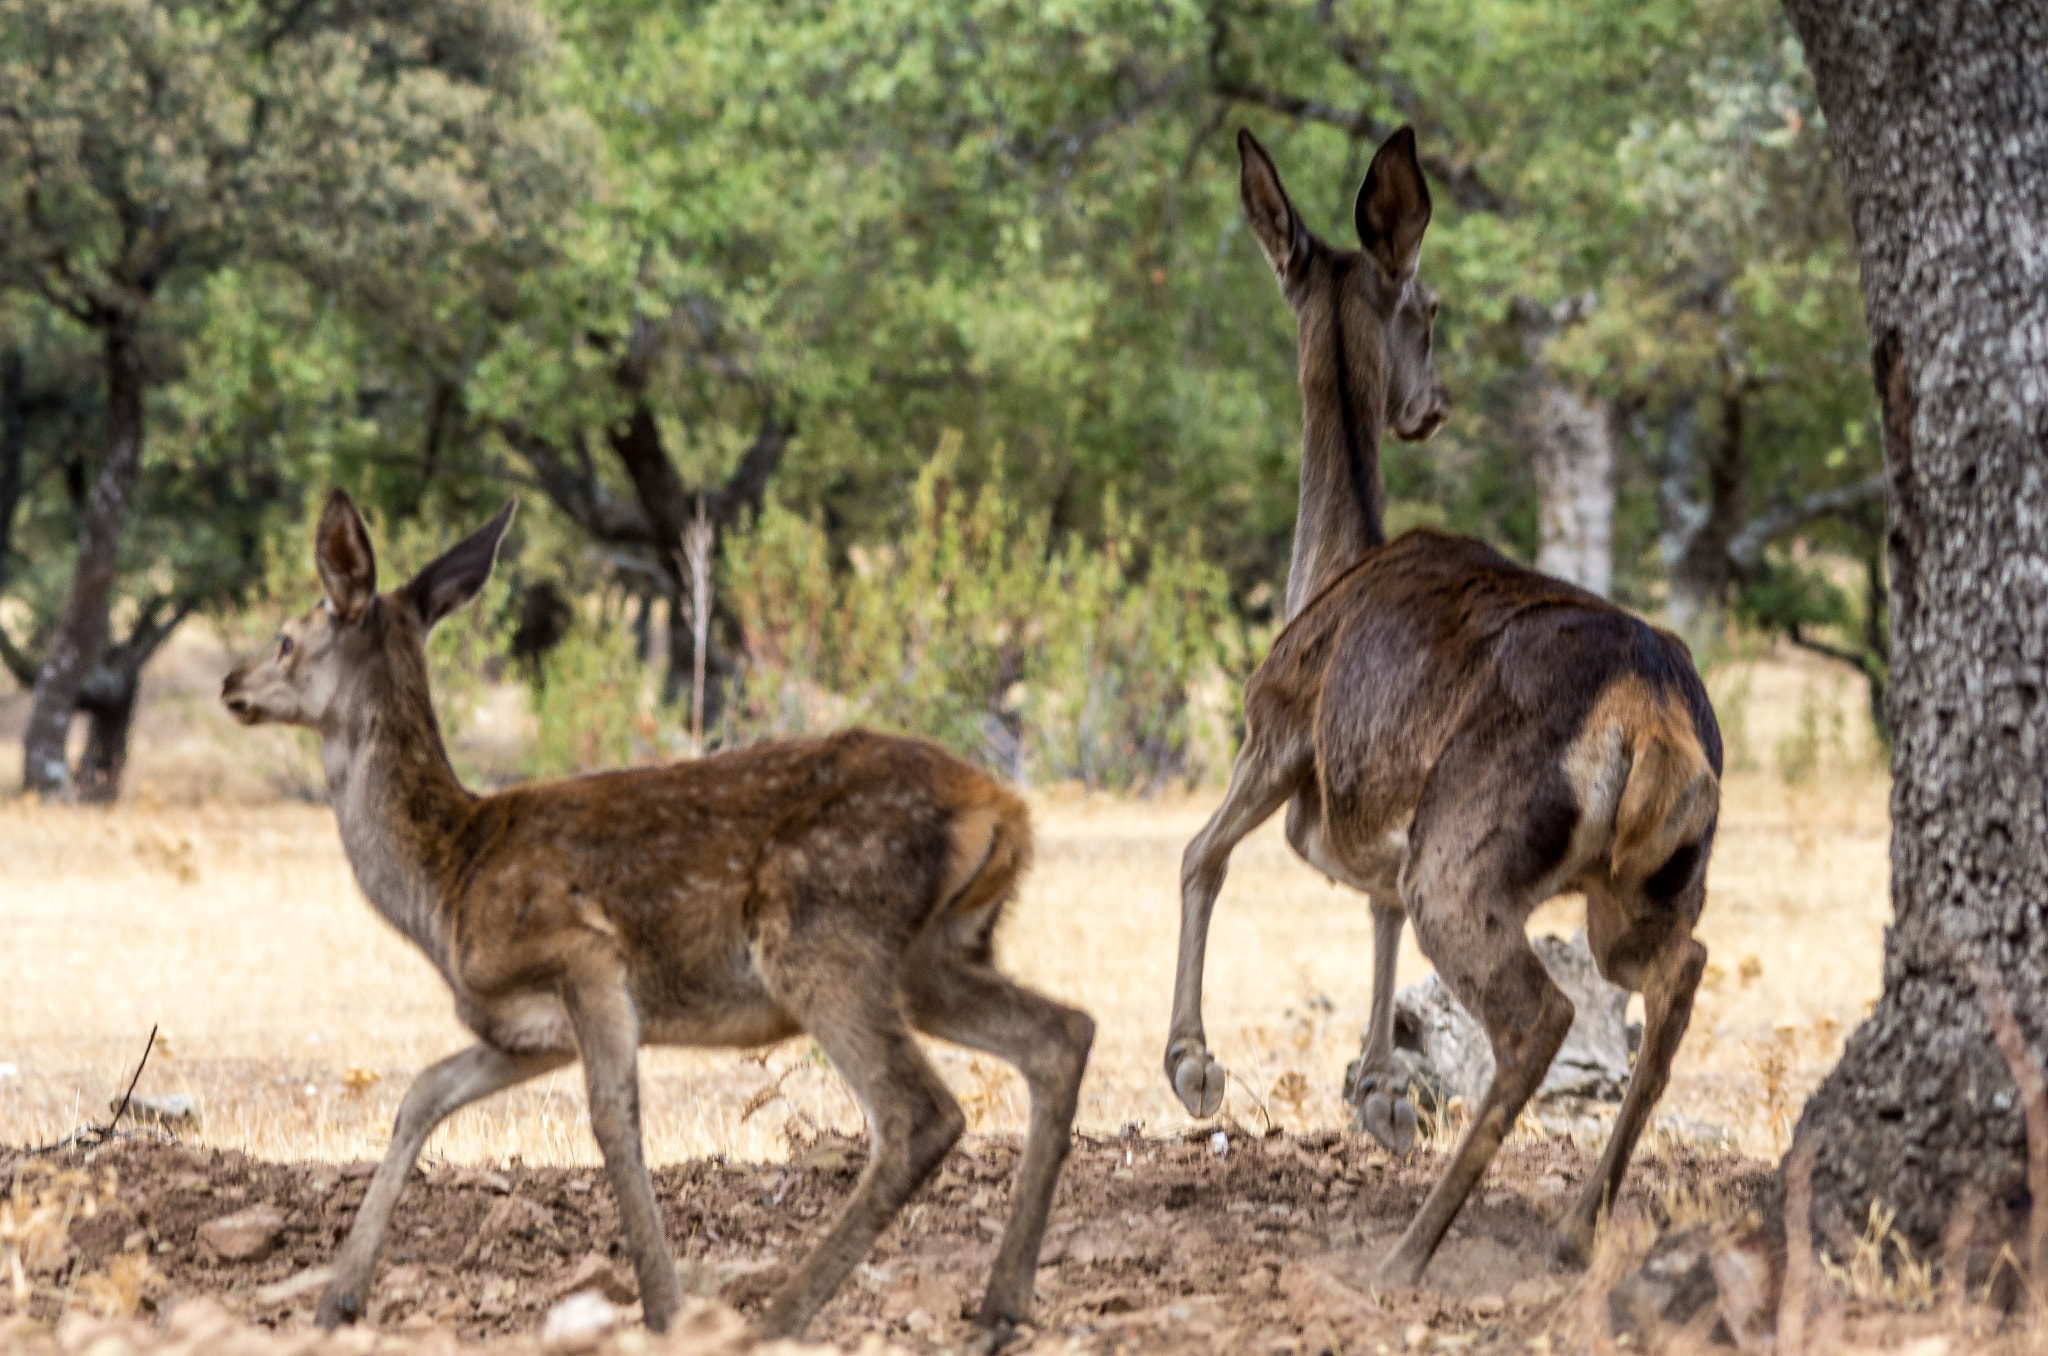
237	704
1431	418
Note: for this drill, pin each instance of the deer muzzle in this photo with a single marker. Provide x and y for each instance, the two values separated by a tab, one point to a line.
236	701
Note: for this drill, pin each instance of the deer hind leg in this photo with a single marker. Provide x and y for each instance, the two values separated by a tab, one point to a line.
970	1004
1499	978
1469	885
607	1027
1261	781
850	1008
438	1093
1659	959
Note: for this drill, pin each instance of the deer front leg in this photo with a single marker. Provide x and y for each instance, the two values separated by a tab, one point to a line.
438	1093
607	1030
1388	1114
1258	787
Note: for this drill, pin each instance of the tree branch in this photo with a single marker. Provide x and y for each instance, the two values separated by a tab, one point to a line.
1855	659
577	491
748	483
1746	547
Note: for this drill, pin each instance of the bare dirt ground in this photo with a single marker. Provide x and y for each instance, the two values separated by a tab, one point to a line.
215	901
1155	1245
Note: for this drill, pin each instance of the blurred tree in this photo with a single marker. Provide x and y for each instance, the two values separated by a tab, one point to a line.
143	148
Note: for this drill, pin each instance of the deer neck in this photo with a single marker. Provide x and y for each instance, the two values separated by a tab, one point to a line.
1342	497
398	804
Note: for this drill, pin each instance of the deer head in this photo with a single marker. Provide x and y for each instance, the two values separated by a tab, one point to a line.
1367	304
356	640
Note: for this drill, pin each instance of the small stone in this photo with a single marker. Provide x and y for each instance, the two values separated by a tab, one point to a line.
517	1216
1112	1301
402	1283
484	1179
699	1280
245	1236
1489	1306
1219	1144
8	1071
1415	1334
199	1323
595	1272
171	1110
494	1296
294	1286
578	1322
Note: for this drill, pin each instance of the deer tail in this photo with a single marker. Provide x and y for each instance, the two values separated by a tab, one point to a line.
1669	799
991	849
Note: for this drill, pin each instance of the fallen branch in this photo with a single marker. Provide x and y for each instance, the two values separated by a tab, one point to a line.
100	1134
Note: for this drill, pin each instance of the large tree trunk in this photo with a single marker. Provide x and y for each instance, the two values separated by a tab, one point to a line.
1938	115
1570	434
109	715
81	632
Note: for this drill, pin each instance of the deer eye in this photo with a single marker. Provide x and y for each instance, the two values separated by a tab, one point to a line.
284	646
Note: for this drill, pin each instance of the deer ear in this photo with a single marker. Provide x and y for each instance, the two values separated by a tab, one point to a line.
459	574
1393	206
341	549
1273	218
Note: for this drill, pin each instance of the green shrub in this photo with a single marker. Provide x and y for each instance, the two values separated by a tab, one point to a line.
1049	661
590	705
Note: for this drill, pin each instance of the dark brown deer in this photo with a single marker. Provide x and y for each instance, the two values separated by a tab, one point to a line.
845	887
1456	736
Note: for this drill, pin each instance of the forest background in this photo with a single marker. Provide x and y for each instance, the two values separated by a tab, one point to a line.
933	328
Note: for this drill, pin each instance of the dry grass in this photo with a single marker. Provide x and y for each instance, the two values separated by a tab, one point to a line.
295	1016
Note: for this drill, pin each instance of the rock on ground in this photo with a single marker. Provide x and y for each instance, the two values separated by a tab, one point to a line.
1448	1055
245	1236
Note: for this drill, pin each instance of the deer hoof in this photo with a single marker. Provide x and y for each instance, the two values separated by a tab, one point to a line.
1390	1119
1199	1081
997	1332
1397	1273
1572	1249
337	1307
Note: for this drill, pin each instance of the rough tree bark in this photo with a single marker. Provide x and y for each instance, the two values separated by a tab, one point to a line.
1571	445
1938	116
81	632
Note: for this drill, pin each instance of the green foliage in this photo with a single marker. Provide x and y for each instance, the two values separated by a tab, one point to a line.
589	700
395	243
1057	662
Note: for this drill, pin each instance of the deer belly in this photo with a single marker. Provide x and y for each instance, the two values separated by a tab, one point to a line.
737	1027
521	1024
1368	860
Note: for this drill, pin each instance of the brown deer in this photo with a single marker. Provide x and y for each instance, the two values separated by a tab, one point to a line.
845	887
1456	736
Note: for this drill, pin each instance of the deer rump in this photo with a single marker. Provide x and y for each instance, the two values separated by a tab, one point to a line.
862	842
1437	680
